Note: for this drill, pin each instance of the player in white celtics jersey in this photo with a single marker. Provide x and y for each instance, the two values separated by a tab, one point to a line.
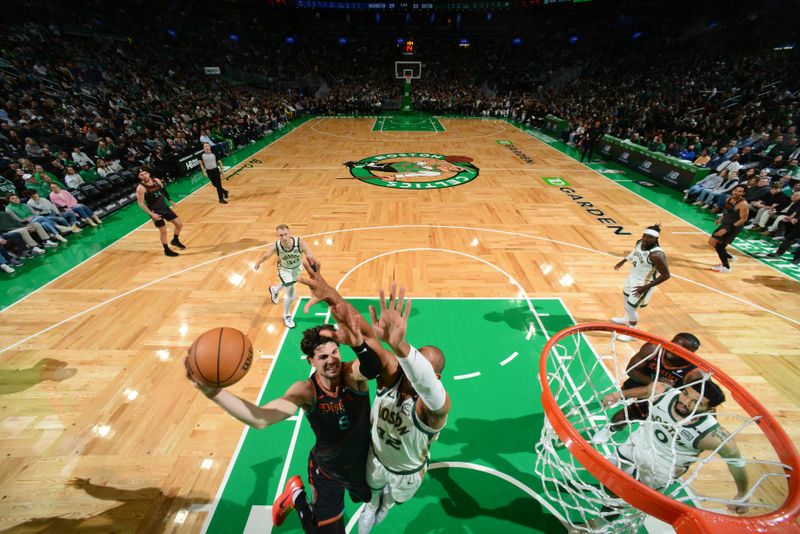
409	411
680	426
648	269
290	252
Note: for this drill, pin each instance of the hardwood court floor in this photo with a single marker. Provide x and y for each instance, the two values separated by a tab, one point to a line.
94	406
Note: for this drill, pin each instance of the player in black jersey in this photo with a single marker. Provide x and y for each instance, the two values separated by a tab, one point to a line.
335	400
154	199
648	365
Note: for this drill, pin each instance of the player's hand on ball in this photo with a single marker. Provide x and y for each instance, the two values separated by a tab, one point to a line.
207	391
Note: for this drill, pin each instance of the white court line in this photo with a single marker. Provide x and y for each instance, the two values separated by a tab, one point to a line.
531	331
689	233
483	469
510	358
466	376
139	227
670	213
391	227
268	356
246	429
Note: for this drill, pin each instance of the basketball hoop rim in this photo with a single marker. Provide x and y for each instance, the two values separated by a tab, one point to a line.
684	518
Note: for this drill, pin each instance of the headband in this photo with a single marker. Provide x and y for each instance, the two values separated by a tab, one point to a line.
651	232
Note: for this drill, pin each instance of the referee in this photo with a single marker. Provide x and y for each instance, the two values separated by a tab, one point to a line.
212	167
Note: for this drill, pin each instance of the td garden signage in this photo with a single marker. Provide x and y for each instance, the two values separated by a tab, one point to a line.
414	170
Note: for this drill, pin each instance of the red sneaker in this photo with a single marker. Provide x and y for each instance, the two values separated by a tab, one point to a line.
283	504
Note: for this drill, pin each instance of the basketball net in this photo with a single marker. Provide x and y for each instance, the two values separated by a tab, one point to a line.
587	482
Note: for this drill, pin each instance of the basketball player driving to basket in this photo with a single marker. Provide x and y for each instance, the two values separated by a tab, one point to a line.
335	400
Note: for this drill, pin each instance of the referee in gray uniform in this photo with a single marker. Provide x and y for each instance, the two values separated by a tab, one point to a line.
212	167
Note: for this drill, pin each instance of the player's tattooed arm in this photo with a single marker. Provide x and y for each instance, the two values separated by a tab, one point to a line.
720	439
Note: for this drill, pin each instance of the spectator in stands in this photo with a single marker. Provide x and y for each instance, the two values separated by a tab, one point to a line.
42	207
792	234
768	206
33	149
64	201
731	164
702	159
72	178
7	261
708	197
791	210
102	169
79	156
22	215
689	154
710	182
10	226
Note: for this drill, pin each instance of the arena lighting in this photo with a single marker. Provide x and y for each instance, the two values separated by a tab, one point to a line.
636	35
573	39
517	41
233	37
290	40
342	41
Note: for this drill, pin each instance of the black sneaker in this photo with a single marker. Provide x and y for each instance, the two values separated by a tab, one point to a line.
177	243
225	193
170	252
223	201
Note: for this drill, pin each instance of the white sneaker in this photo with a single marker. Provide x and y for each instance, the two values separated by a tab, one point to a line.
367	518
7	268
273	292
624	338
60	238
288	321
721	269
749	226
37	250
620	320
603	435
49	244
380	515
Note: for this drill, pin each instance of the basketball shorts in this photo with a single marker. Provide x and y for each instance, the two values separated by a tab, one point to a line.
636	301
329	486
167	215
288	277
645	464
729	236
401	487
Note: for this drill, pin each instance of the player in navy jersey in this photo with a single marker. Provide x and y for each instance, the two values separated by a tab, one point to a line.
335	400
650	364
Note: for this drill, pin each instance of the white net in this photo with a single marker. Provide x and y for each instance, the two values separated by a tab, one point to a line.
656	437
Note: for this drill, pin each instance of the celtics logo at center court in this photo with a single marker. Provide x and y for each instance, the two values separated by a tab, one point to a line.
414	170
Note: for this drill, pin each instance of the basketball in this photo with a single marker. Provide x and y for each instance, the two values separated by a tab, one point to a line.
220	357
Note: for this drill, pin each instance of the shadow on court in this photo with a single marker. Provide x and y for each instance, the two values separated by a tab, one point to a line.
465	499
141	510
18	380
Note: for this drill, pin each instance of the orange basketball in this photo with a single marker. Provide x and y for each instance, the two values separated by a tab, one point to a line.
220	357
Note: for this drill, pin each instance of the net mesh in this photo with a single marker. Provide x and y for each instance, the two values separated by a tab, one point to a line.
634	436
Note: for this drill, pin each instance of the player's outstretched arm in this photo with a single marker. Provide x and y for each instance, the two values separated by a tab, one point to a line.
391	327
636	365
720	440
321	290
312	260
373	358
264	257
297	396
